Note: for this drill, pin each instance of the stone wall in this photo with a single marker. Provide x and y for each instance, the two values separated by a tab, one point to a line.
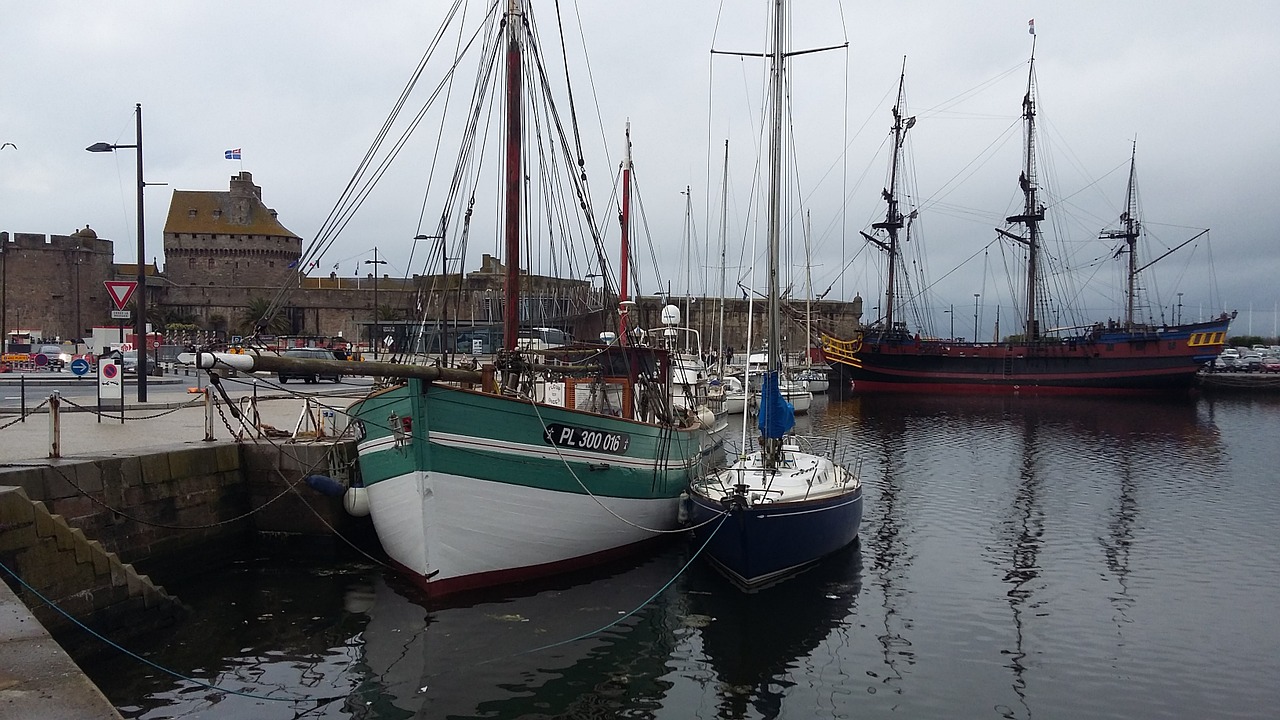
54	283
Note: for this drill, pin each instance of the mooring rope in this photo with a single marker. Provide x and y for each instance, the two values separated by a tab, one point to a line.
157	666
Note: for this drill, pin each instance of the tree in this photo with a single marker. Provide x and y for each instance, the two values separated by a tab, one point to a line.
255	316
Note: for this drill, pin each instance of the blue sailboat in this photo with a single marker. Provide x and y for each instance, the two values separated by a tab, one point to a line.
786	505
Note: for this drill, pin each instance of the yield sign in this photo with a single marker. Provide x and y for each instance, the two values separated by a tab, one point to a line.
120	291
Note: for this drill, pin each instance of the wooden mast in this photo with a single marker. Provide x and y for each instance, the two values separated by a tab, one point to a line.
893	217
1129	231
1032	212
513	176
625	252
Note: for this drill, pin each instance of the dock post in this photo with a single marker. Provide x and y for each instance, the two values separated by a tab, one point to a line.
208	415
55	442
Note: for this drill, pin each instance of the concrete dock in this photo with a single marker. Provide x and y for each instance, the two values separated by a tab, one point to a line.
38	679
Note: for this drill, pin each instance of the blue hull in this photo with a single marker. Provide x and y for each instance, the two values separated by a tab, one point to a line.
757	546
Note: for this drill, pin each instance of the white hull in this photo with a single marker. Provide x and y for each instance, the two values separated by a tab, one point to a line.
447	527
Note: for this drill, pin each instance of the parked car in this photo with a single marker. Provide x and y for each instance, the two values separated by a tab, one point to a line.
129	363
57	356
311	354
1271	365
1250	361
1223	363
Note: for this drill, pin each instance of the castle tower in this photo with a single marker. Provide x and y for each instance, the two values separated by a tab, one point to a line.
227	239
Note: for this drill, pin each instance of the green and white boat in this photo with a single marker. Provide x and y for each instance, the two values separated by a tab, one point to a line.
546	459
471	488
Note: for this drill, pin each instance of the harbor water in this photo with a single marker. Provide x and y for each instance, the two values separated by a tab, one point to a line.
1019	558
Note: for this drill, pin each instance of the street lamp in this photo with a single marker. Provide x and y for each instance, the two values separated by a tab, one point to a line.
140	324
442	319
4	283
373	329
975	315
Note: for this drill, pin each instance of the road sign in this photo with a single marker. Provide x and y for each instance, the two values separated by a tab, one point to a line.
120	291
40	359
121	314
79	366
110	385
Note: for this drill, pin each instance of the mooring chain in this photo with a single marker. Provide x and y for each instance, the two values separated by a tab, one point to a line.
22	416
113	416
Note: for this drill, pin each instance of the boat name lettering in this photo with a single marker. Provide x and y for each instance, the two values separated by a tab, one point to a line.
580	438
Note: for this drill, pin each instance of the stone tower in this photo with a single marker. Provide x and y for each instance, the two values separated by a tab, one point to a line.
227	239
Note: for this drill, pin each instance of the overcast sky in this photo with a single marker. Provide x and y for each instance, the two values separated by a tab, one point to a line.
303	86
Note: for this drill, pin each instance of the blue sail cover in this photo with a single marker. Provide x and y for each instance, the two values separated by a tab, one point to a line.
777	416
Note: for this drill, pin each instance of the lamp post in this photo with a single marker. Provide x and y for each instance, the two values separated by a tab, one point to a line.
373	329
140	323
442	317
4	283
975	315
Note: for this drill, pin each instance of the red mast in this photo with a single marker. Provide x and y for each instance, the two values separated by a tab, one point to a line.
625	254
511	311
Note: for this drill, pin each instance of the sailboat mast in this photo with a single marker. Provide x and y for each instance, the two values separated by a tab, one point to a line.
1032	212
808	289
513	175
776	90
724	235
624	258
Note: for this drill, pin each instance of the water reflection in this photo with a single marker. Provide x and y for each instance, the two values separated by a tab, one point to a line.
1020	534
511	656
887	525
755	642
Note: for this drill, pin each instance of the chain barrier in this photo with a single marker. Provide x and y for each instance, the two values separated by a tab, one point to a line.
23	417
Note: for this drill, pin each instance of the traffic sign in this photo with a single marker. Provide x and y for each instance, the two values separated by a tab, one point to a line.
121	314
120	291
110	386
79	366
40	359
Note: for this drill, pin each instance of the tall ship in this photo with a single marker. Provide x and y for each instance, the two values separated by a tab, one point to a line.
1125	356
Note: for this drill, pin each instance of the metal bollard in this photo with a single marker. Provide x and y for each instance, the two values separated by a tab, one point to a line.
208	415
55	441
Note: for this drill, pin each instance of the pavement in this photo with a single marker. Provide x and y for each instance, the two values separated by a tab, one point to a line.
146	425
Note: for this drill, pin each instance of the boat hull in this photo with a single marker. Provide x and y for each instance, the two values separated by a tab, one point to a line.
468	490
761	545
1163	361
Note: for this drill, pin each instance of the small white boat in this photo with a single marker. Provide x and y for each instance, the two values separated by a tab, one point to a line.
739	399
815	380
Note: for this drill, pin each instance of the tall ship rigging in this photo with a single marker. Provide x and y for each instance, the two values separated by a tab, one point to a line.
1128	356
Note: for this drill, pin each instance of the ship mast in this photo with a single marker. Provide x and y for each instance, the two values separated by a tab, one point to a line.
1033	211
1129	231
893	217
625	251
513	175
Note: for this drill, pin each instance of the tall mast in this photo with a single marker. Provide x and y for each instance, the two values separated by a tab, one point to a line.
808	289
513	176
775	181
625	252
1129	231
724	235
893	217
1032	212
